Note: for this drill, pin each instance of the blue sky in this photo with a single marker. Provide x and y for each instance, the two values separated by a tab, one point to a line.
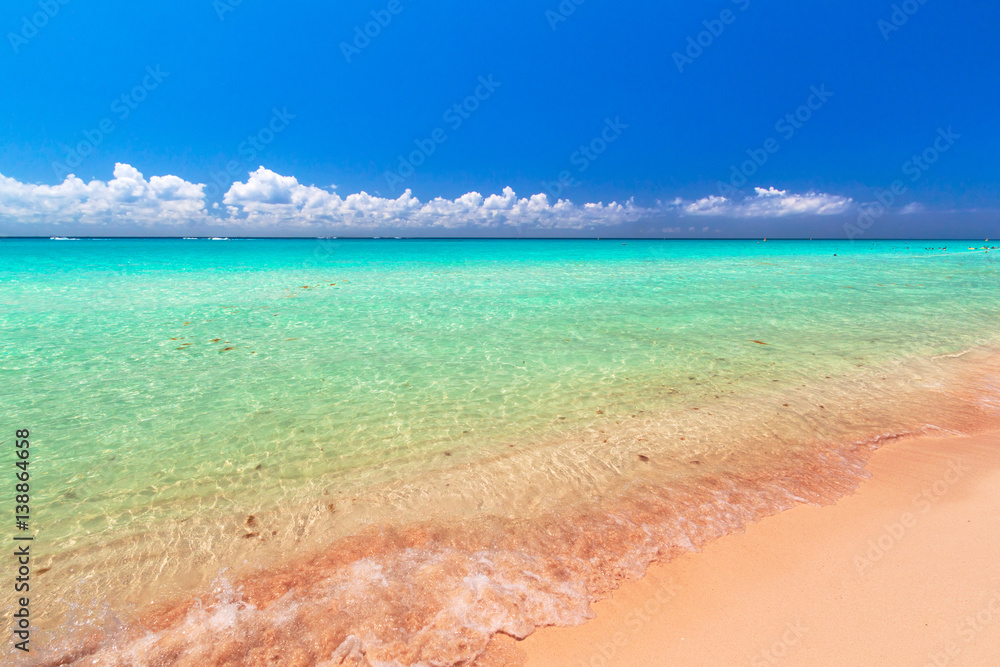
653	106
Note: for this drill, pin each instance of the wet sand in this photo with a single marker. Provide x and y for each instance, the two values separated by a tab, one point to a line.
903	572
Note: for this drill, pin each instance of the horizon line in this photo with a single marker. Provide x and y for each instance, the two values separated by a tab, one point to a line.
477	238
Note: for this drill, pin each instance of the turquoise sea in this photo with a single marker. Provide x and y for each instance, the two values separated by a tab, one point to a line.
392	450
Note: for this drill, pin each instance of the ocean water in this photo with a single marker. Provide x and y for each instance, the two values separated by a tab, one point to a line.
391	451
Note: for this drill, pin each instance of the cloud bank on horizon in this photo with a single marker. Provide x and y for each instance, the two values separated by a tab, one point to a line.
268	200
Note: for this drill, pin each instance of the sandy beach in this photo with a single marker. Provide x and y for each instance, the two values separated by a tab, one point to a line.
902	572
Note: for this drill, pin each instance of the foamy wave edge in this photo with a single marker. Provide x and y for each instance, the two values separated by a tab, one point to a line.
437	594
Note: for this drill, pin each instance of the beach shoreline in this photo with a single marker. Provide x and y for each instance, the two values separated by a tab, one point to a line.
500	579
900	572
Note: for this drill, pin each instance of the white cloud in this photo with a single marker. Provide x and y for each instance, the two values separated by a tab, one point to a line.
770	203
269	199
127	198
914	207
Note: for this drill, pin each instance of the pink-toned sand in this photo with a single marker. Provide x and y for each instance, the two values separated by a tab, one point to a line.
904	572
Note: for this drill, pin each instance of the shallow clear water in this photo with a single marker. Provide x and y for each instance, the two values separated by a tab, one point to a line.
183	395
